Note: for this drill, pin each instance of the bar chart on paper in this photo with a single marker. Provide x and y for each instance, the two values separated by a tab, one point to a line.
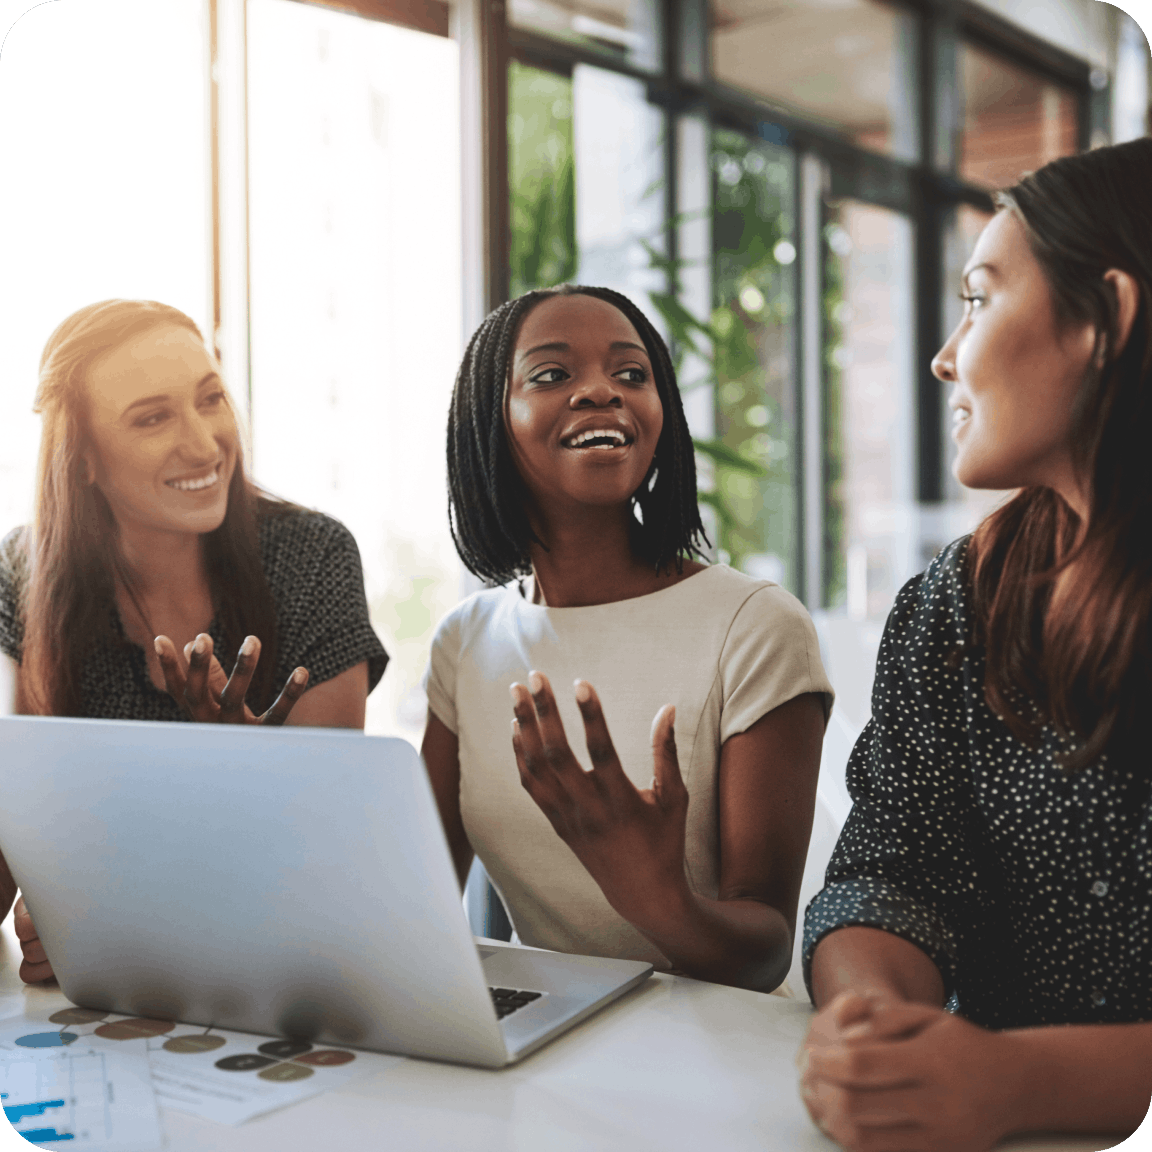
83	1100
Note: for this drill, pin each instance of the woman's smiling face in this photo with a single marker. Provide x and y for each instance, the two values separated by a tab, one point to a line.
1014	370
582	411
164	441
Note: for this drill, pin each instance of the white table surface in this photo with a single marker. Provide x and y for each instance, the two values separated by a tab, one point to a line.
676	1064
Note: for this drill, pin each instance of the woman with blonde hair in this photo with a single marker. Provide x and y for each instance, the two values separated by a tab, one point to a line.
153	563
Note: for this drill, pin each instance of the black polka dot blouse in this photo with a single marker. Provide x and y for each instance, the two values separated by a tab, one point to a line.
1031	892
313	568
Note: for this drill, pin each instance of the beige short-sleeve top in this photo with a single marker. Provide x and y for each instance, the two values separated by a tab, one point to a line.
723	647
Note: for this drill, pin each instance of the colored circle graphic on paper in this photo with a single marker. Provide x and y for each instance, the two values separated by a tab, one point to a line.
77	1016
248	1062
282	1073
285	1048
47	1040
191	1044
134	1029
326	1058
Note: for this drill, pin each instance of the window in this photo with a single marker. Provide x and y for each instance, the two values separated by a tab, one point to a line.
356	304
1015	120
753	226
849	67
626	30
586	181
871	535
115	205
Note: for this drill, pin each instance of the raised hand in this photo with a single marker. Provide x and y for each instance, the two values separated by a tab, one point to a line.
207	696
631	840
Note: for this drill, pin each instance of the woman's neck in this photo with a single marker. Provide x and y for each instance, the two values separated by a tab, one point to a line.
163	566
589	560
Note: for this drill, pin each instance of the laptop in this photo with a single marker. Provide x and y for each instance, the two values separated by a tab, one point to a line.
292	881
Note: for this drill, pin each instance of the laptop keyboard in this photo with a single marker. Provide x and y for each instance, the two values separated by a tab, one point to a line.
509	1000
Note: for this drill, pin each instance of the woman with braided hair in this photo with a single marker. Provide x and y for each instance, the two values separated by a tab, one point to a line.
573	494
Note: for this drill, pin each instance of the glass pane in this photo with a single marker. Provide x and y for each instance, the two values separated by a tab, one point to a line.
541	178
1014	120
586	176
356	295
1131	106
104	193
619	150
754	299
627	30
871	534
849	66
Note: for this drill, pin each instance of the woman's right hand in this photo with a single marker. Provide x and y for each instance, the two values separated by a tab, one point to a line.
35	966
208	696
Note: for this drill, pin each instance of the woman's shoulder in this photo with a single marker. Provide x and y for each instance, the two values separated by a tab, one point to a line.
283	524
937	599
295	541
14	557
475	612
746	600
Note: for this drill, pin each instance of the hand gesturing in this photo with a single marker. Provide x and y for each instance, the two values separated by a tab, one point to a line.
208	696
631	840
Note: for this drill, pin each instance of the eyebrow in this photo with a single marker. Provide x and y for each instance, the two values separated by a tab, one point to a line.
560	346
164	395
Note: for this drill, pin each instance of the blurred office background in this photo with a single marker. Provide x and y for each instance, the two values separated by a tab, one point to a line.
338	191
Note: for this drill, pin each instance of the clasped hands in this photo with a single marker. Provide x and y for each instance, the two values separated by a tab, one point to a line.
631	840
207	695
886	1075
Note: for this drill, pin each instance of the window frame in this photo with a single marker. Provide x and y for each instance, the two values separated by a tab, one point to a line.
926	190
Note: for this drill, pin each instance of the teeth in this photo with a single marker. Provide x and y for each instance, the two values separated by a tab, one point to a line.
194	485
595	434
960	415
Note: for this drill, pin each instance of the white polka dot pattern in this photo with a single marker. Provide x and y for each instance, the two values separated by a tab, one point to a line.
1031	891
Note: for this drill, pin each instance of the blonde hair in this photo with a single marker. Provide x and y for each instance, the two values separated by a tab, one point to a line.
70	555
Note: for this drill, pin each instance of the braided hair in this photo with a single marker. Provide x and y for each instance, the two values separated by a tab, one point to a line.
486	496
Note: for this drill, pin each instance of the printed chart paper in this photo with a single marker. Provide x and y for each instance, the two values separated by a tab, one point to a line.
232	1076
60	1090
224	1076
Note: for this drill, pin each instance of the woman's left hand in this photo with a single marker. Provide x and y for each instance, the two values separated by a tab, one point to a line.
631	840
909	1078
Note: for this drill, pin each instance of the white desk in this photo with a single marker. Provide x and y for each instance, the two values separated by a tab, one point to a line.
676	1065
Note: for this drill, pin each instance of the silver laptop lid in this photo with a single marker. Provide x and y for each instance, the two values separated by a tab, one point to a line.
272	880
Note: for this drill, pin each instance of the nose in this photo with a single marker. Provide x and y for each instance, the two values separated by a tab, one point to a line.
598	392
198	444
944	362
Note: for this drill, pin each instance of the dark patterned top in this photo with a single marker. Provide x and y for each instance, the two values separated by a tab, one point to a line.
1031	892
312	565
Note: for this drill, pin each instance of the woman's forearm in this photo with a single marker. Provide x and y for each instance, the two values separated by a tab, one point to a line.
1082	1077
859	959
744	943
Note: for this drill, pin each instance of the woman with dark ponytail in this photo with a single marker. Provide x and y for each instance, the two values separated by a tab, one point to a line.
994	877
572	484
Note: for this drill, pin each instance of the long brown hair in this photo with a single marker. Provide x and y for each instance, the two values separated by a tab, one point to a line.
1063	610
71	557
